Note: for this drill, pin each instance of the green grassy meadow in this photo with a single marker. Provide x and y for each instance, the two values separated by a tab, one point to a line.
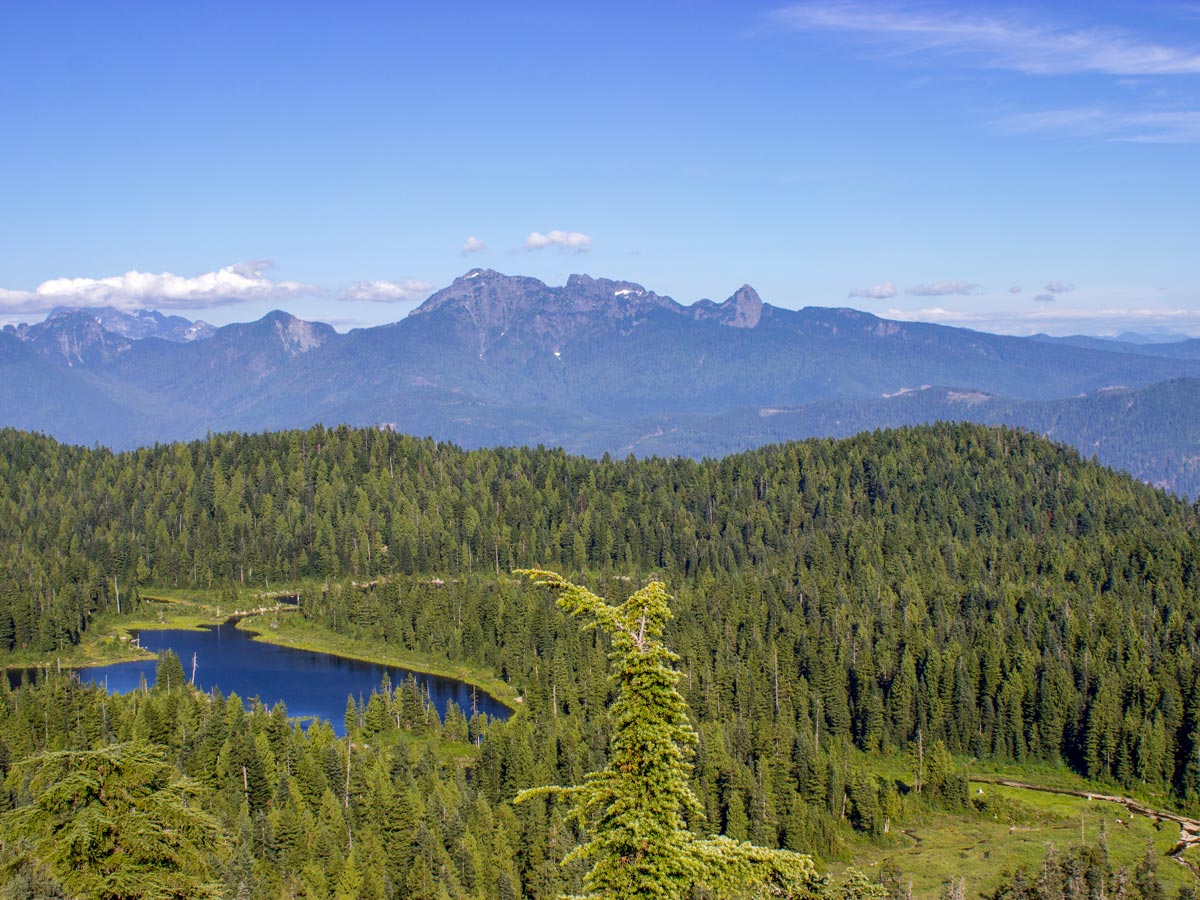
1011	828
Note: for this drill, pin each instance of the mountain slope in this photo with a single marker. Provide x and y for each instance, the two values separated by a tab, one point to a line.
37	394
613	349
597	365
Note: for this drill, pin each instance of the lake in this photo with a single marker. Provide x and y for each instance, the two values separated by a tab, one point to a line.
308	683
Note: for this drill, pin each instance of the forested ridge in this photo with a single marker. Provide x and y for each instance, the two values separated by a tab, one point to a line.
975	592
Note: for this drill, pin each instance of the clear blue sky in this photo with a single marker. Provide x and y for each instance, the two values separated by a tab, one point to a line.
1015	168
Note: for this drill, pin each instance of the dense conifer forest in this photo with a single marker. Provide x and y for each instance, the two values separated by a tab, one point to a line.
952	590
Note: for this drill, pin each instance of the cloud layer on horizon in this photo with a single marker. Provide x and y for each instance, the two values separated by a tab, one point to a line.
238	283
1112	317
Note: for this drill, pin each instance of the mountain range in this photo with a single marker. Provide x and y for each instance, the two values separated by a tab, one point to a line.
597	366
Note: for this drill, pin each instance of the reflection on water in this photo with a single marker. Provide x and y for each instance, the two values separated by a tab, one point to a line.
308	683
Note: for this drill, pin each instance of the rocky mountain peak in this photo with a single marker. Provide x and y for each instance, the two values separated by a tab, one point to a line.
492	307
746	307
74	336
132	324
296	335
603	288
484	296
742	310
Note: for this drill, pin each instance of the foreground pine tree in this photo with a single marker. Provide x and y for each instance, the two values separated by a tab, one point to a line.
636	808
117	823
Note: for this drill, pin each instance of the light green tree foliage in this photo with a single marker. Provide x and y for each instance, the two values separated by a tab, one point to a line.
113	824
636	809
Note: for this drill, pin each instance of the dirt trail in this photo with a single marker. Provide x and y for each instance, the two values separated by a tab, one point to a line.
1189	829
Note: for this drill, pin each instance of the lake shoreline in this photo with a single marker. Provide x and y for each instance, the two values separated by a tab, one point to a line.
117	646
235	660
319	640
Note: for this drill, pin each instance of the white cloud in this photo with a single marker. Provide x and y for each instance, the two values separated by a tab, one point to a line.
567	240
1173	126
238	283
875	292
407	291
473	245
1003	39
1060	287
929	314
1014	290
943	289
1044	298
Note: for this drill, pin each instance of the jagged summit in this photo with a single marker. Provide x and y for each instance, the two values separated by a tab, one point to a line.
490	298
491	308
484	295
132	325
73	337
742	310
294	336
138	323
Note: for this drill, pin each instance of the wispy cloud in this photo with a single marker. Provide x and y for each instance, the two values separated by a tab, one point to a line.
1044	298
943	289
1014	290
1053	317
239	283
1178	126
567	240
1060	287
473	245
407	291
1002	40
875	292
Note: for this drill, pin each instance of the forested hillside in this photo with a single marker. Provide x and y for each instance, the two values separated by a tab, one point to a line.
977	592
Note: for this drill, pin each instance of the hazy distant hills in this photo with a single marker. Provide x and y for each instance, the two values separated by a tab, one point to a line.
1151	432
599	366
1186	348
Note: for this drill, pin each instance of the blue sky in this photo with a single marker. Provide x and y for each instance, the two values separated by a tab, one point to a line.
1017	168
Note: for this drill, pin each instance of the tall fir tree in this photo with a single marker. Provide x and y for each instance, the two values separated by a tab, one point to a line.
636	808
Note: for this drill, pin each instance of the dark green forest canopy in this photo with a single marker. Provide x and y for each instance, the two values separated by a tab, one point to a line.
982	587
364	502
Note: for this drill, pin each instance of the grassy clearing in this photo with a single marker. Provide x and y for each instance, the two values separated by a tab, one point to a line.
1060	777
1011	828
110	640
207	596
100	650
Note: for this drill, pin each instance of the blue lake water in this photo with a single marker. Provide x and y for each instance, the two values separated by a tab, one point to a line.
308	683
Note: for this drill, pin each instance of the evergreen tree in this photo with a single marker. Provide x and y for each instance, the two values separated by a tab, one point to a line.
169	674
114	824
636	808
